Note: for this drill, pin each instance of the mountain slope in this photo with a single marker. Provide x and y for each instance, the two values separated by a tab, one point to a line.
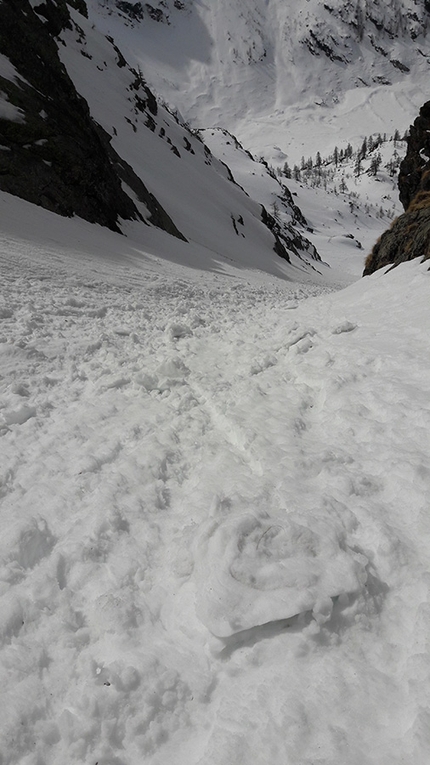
281	74
214	480
104	149
53	153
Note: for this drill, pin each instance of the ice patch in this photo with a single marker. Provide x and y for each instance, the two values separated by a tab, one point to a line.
251	571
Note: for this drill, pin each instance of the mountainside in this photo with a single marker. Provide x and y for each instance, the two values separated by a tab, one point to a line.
83	134
53	153
280	74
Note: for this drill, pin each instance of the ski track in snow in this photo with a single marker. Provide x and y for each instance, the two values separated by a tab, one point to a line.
132	416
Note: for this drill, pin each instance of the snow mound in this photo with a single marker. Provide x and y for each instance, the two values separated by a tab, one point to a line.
253	571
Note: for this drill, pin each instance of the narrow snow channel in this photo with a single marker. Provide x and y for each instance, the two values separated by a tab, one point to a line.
214	508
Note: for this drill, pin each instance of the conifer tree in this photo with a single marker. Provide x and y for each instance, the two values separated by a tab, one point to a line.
359	18
375	164
287	170
357	167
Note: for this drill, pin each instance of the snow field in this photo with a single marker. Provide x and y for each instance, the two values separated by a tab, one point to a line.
213	483
175	447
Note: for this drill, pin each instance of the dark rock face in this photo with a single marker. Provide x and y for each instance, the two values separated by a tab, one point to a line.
287	239
414	175
408	238
274	227
138	11
409	235
54	154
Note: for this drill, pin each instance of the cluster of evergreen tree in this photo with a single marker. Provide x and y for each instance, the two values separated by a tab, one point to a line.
321	171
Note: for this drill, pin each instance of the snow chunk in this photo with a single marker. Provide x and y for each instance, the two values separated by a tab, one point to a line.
20	415
177	331
170	373
173	367
252	571
259	366
346	326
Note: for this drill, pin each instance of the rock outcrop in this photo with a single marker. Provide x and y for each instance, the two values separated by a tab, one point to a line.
409	235
52	152
414	174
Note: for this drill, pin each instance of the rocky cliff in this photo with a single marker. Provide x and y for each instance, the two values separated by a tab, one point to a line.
409	235
414	174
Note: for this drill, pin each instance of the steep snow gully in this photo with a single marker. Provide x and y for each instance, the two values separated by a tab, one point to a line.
214	503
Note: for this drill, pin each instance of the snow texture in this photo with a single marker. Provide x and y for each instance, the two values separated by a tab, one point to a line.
214	471
251	572
214	503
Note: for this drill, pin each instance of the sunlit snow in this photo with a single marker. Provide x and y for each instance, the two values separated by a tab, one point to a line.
214	464
214	492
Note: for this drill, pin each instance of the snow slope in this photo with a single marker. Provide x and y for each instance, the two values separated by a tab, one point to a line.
198	191
175	442
284	77
219	213
142	146
344	213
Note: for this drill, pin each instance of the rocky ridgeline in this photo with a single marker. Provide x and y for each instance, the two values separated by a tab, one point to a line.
53	153
409	235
